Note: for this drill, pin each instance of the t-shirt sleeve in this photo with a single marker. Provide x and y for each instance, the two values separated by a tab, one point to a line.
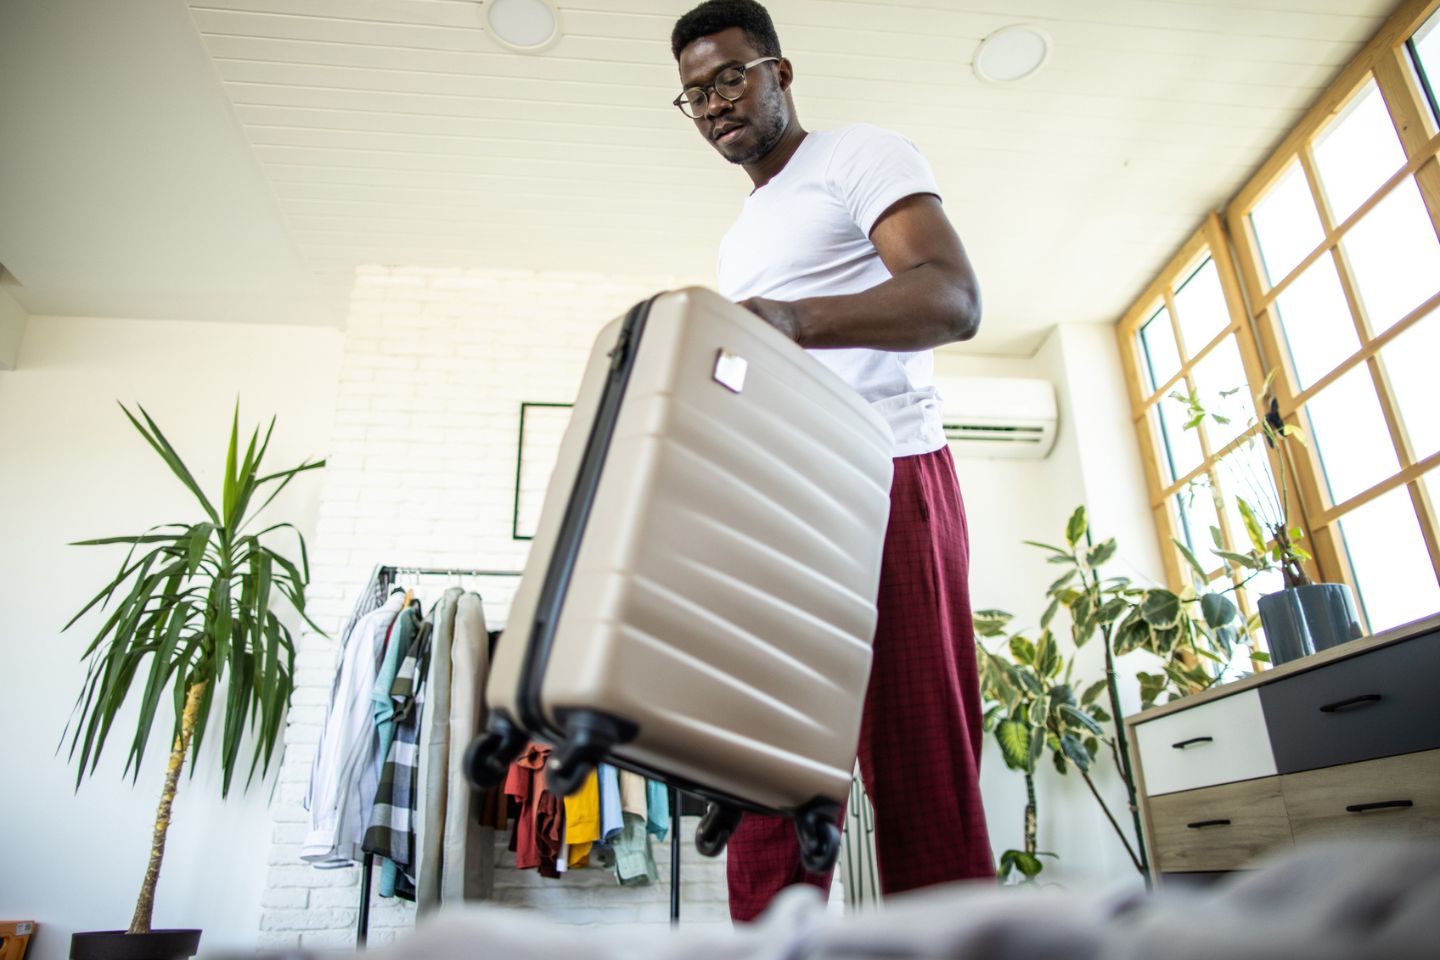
872	169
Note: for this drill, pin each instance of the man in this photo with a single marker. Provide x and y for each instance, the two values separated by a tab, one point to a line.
844	247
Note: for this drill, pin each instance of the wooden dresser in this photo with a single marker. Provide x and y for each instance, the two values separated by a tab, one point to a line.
1345	743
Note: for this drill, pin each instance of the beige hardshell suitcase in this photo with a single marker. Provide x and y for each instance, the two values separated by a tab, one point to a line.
699	600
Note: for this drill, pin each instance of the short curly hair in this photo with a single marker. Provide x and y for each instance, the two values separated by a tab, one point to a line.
712	16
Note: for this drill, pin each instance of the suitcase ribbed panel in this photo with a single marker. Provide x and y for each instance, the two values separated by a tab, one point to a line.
722	598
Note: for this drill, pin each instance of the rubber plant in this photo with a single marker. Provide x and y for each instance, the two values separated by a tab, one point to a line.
1032	707
193	621
1195	638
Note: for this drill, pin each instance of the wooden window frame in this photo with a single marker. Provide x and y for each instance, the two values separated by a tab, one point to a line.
1255	323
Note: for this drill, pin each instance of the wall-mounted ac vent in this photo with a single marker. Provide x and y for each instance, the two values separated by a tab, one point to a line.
998	417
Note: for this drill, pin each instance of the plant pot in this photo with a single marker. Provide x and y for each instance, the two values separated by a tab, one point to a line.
119	945
1302	620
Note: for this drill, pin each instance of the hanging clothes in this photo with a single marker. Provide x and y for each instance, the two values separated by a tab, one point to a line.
346	770
537	836
391	834
611	822
435	753
468	857
582	819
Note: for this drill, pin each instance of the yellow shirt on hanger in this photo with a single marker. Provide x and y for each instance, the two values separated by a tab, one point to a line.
582	819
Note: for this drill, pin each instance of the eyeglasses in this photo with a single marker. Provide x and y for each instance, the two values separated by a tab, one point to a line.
729	83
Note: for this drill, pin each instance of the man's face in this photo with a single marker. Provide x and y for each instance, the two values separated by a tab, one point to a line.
749	128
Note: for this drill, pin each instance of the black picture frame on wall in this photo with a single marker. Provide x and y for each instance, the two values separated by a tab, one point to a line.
551	441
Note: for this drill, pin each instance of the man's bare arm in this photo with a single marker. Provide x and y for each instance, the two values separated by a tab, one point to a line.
931	298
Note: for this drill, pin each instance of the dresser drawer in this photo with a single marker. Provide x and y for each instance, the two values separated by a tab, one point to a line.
1396	797
1218	828
1378	704
1217	742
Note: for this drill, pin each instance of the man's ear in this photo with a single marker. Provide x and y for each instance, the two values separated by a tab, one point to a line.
786	73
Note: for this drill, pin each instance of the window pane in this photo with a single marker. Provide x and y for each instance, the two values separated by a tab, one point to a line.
1157	347
1348	431
1395	256
1410	362
1246	473
1180	447
1358	152
1427	58
1224	390
1195	506
1392	567
1287	226
1316	322
1200	308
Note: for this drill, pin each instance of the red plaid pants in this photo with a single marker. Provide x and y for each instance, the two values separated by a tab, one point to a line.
920	735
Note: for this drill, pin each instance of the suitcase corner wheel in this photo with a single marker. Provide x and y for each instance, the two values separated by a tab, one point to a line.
589	737
488	758
817	827
715	827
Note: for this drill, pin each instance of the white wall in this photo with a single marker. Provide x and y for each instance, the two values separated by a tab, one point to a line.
1095	462
72	467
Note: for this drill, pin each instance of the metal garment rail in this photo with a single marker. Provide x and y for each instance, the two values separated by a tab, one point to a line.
381	581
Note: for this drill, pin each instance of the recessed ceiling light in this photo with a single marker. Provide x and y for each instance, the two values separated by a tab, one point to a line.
526	26
1011	53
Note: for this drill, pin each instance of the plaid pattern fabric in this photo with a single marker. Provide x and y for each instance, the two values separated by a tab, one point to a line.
391	832
921	733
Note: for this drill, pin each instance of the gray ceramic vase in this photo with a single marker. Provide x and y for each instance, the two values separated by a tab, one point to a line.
1300	621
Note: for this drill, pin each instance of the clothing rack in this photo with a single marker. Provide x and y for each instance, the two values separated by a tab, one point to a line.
382	579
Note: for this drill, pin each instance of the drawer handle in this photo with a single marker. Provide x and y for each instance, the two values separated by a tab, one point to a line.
1193	740
1383	805
1360	701
1201	824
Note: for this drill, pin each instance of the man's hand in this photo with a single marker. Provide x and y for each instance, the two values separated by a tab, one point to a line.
781	315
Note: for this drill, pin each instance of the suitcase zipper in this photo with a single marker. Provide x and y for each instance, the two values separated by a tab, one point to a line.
572	527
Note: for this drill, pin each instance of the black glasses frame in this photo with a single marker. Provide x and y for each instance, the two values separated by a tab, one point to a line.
681	101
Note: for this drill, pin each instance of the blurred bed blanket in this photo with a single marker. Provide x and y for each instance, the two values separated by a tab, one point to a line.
1332	901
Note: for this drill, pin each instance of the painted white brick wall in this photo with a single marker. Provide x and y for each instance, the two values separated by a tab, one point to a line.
421	472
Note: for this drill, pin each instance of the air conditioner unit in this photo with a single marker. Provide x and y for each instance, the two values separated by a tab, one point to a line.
998	418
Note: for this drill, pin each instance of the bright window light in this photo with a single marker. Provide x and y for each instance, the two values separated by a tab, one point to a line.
1287	225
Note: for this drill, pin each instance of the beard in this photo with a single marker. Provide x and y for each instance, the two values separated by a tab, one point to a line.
768	127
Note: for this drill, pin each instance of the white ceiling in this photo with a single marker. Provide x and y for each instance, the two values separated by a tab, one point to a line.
240	157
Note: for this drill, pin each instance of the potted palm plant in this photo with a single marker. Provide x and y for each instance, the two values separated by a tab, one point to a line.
1304	616
192	622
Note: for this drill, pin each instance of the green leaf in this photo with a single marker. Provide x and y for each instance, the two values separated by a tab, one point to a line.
1045	546
1218	609
1252	525
1014	739
1257	564
1022	650
1160	608
1076	527
1047	655
1112	611
1061	583
1091	692
1100	553
1189	556
1216	537
1074	750
1037	745
1049	613
990	623
1028	864
157	440
1062	693
1132	634
1080	718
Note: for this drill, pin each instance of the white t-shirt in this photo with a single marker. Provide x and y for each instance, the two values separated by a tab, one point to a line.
806	233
